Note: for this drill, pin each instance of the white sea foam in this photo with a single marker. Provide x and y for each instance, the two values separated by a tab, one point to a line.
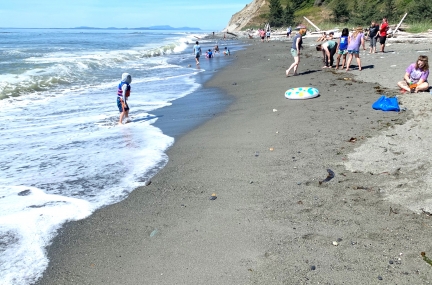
60	138
28	220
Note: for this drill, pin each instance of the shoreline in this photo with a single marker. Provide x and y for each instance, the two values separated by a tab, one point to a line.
272	222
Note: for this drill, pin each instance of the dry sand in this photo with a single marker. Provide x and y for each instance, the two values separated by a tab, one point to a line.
272	221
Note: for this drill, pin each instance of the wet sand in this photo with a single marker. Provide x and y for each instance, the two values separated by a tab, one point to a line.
263	158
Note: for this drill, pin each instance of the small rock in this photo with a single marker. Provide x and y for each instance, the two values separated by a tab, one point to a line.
313	267
380	278
234	83
153	233
339	240
298	183
335	243
24	193
391	261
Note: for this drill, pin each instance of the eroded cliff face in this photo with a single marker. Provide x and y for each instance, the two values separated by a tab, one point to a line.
240	19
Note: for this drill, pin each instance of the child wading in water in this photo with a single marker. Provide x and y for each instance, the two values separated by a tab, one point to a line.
354	42
227	51
343	48
123	93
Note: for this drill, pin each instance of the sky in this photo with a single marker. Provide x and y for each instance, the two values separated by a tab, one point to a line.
207	15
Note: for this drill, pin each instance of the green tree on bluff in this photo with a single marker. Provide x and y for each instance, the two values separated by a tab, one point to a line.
276	13
340	11
296	4
288	15
419	10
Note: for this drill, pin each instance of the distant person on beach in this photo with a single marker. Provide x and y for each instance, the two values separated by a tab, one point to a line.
322	38
295	51
416	76
209	54
123	93
268	35
329	49
383	28
262	35
289	30
216	49
227	51
373	35
354	42
197	51
343	48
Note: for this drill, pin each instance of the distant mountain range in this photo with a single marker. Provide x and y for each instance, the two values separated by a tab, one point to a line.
164	27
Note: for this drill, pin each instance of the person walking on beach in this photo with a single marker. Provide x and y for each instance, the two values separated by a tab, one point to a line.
373	35
354	42
343	48
383	33
123	93
289	30
268	34
197	51
262	35
416	76
295	51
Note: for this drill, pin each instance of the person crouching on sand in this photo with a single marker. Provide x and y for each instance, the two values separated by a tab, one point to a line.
416	76
295	51
123	93
329	49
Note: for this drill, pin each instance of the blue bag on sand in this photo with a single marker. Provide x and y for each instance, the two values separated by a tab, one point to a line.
386	104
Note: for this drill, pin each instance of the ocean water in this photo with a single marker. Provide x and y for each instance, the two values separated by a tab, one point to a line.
62	153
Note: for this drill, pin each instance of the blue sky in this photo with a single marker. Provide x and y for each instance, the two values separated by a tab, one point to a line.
207	15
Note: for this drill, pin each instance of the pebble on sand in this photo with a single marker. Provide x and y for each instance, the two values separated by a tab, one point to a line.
313	267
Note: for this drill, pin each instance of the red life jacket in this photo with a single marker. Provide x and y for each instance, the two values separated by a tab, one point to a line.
120	91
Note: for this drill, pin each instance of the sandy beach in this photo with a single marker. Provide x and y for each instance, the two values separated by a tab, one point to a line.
263	157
